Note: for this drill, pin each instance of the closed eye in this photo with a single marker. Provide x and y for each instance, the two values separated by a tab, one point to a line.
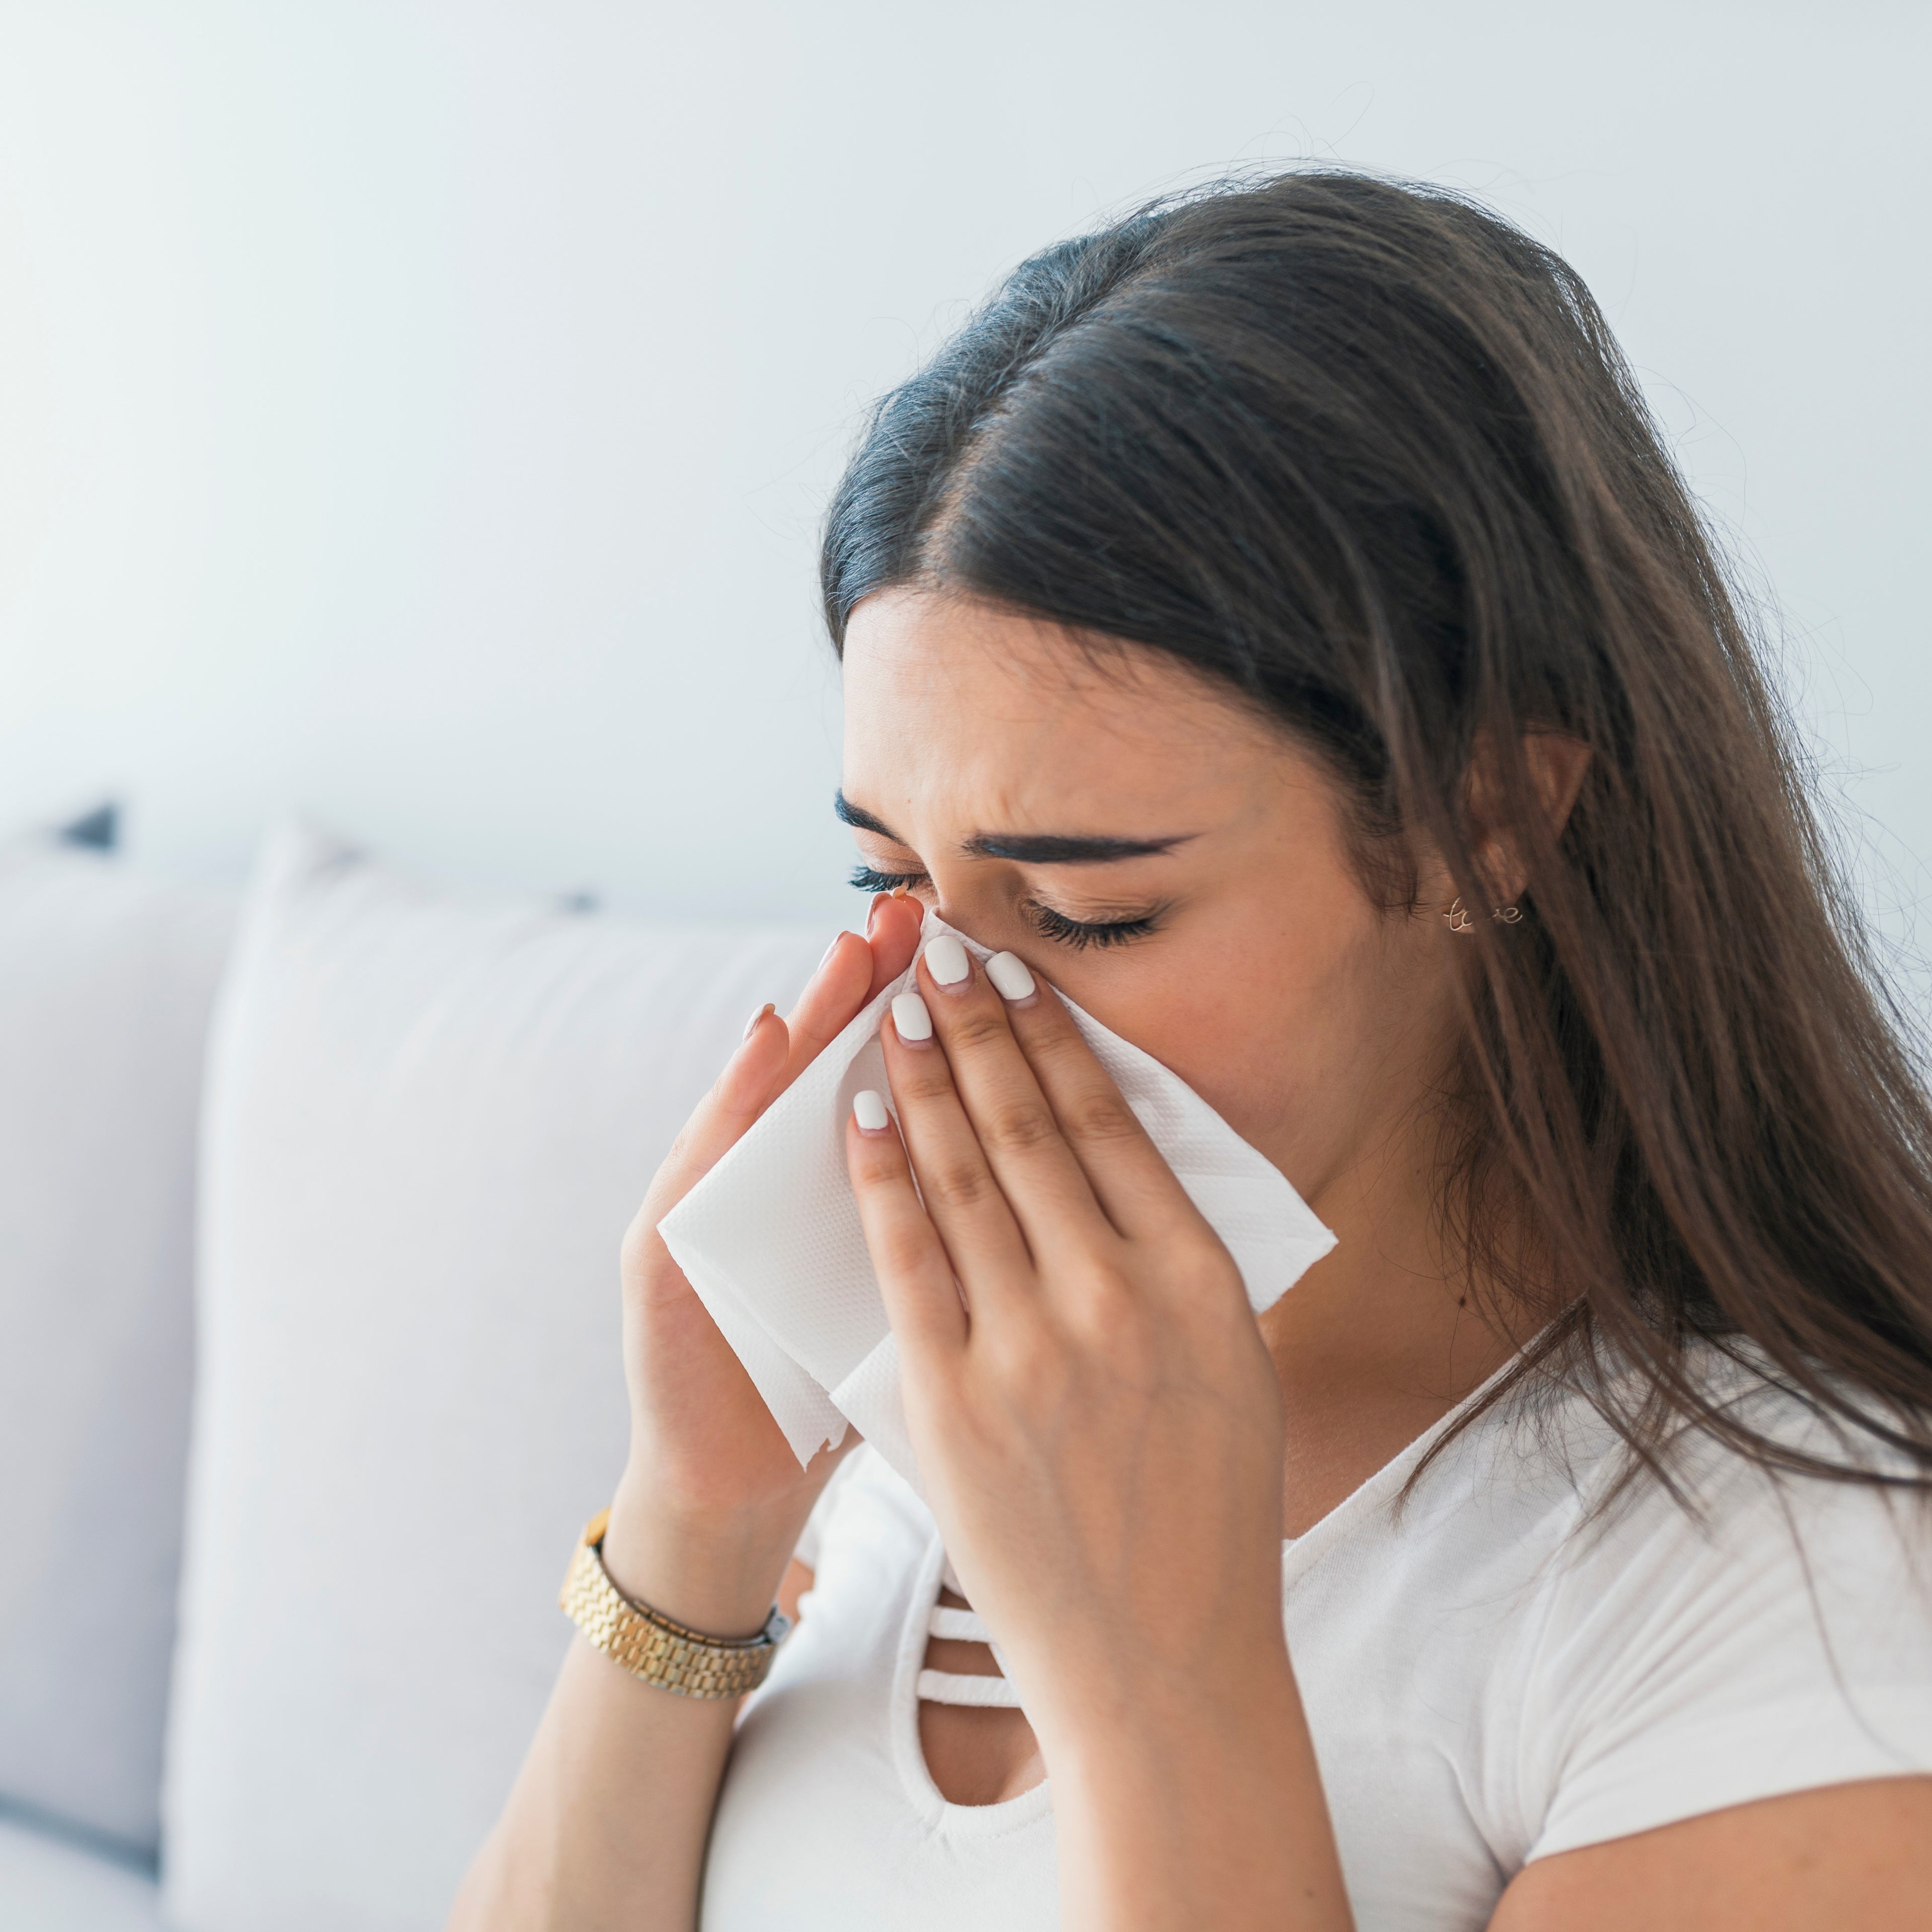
1081	933
1063	930
869	879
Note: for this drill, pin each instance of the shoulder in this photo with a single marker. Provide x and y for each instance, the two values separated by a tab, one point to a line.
1730	1634
1710	1517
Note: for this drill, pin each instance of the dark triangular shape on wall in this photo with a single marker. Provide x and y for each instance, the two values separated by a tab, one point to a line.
100	828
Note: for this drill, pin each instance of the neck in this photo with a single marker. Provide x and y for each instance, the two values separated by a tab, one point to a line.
1381	1338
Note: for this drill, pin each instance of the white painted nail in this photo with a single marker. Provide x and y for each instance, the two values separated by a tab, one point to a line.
910	1018
752	1024
869	1109
946	960
1011	980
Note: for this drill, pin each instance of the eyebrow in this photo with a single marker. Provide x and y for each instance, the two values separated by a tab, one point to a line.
1043	848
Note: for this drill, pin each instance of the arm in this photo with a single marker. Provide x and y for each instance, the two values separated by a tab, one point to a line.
606	1825
608	1818
1099	1432
1849	1854
1098	1427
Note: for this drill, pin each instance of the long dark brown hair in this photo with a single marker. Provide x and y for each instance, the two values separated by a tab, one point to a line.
1369	456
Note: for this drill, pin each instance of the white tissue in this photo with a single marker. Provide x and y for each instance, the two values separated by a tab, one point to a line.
770	1240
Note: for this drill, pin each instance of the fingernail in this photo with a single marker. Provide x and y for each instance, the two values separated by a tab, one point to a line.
828	953
911	1020
752	1024
946	960
1011	980
872	911
869	1111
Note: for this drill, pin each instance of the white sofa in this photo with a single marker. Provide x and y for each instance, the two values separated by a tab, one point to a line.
422	1127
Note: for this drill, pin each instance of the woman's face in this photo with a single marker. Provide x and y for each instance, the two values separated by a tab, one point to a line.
1176	865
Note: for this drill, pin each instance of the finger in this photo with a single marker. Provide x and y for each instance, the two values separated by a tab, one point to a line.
1007	1110
853	970
892	931
1128	1174
839	986
753	1077
915	1276
962	1198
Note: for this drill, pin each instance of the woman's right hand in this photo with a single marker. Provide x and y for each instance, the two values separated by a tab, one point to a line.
713	1499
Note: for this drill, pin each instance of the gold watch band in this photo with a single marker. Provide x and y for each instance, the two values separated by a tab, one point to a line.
648	1644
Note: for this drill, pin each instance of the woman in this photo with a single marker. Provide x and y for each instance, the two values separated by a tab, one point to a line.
1274	622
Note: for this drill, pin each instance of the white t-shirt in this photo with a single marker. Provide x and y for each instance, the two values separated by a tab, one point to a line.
1486	1683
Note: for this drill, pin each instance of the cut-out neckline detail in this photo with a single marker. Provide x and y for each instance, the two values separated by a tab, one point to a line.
972	1716
954	1624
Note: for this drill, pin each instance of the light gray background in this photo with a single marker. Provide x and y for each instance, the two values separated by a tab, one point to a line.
420	412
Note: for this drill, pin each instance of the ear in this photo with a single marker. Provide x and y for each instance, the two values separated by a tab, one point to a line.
1555	765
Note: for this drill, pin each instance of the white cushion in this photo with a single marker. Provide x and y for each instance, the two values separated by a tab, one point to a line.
106	984
428	1125
49	1883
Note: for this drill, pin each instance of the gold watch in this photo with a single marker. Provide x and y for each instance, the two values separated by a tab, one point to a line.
648	1644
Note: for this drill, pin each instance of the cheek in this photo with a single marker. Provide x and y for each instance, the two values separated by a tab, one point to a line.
1315	1041
1273	1029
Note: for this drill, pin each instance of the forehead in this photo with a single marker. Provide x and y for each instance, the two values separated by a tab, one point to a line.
953	708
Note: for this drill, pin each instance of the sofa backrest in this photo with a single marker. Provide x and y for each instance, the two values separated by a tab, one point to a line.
428	1123
105	983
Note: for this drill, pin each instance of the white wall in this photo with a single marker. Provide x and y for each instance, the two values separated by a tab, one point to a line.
419	410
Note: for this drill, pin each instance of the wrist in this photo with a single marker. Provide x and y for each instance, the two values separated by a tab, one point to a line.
1145	1727
1172	1793
1145	1686
717	1572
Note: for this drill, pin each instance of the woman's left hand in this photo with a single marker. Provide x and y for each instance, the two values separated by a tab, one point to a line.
1099	1431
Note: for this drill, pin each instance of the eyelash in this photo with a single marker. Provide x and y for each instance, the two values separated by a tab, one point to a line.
1078	934
867	880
